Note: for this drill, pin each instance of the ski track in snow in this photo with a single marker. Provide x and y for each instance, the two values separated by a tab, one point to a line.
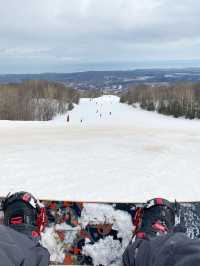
130	155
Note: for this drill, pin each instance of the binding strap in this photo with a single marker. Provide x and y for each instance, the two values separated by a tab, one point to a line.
157	202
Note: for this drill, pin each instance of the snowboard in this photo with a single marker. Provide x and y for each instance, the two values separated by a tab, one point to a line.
93	233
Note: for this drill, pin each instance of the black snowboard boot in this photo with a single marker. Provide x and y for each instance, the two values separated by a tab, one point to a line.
157	217
23	213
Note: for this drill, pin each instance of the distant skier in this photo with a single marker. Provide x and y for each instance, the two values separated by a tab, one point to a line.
110	113
97	111
68	118
157	242
24	220
81	120
100	115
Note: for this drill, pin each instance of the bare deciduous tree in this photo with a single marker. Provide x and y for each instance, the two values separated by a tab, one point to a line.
35	100
177	100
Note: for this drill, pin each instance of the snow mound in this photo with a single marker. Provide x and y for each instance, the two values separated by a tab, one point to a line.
50	240
107	98
105	252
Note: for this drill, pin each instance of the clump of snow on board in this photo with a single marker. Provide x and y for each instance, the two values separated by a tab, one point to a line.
50	240
107	251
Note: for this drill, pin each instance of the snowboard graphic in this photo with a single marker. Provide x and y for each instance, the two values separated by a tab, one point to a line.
84	233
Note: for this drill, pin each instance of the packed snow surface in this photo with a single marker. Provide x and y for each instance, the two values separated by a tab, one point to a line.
108	151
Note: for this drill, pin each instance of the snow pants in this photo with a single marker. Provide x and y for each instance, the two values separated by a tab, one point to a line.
16	249
173	249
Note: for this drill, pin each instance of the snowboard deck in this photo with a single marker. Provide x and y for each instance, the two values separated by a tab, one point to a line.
72	232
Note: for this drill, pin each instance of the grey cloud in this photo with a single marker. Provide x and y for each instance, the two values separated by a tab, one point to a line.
59	31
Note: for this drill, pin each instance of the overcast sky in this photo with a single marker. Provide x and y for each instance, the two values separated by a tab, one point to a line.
68	35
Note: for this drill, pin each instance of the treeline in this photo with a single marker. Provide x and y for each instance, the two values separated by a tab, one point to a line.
95	93
177	100
35	100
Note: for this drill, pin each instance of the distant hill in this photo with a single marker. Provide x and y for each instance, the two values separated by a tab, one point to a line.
111	80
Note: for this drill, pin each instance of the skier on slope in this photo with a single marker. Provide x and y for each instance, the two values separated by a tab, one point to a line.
24	220
157	242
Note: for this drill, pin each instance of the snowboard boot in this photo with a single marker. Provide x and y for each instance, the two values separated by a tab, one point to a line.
157	217
23	213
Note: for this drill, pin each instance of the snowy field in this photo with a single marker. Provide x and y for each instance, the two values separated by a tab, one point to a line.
126	155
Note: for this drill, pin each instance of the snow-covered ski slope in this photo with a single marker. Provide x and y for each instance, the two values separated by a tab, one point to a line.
126	155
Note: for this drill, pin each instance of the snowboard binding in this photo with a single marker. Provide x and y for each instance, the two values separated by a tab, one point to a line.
156	217
23	213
